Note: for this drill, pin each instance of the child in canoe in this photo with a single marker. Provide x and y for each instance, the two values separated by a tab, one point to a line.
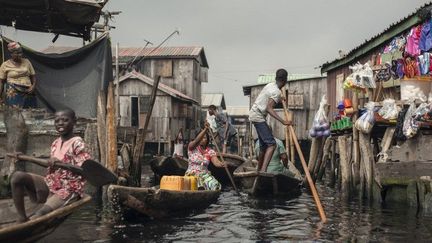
59	187
200	156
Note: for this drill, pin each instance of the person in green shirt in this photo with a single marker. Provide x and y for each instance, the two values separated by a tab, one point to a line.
279	162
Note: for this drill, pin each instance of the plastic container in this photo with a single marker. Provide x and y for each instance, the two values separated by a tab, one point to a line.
347	103
173	183
192	183
340	105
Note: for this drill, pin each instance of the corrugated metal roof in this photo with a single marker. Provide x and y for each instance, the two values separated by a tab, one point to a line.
192	51
247	88
126	54
397	28
237	110
162	87
216	99
268	78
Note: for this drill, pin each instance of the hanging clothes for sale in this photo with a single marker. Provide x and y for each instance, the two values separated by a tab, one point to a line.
413	39
425	43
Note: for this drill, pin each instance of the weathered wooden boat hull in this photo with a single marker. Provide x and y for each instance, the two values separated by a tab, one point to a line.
267	184
32	230
159	203
177	166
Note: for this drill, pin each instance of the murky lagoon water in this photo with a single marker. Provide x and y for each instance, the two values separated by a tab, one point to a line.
241	218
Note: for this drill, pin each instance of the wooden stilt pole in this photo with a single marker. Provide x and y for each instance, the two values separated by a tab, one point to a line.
101	127
344	165
111	130
332	179
138	150
368	160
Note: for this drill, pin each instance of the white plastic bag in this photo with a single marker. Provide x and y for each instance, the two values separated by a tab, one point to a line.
410	125
367	76
320	126
389	110
366	122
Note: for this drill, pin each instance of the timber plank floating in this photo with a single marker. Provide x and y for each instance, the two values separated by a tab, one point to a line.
402	173
159	203
35	229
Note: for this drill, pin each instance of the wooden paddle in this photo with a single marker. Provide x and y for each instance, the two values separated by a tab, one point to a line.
92	171
305	167
223	161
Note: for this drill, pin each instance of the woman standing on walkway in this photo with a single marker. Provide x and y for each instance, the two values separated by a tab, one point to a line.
17	79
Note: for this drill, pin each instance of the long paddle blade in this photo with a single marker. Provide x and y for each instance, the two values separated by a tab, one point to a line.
97	174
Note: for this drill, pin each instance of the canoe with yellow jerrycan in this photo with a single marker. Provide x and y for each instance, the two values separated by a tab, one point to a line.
177	195
178	183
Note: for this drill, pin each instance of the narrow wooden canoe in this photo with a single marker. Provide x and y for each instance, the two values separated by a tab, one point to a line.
32	230
267	184
158	203
162	165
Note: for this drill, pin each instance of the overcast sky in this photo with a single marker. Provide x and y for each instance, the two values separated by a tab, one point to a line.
245	38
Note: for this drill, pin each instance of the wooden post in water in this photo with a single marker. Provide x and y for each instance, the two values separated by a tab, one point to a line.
101	127
313	155
111	130
368	161
326	154
91	139
138	150
356	148
17	135
332	177
344	165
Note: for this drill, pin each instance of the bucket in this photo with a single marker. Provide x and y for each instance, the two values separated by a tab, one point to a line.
340	105
347	103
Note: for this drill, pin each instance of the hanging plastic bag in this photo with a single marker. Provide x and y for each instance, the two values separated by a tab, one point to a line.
410	125
366	122
389	110
320	126
367	76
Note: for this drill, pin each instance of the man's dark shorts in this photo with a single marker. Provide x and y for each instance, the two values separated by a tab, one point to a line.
265	135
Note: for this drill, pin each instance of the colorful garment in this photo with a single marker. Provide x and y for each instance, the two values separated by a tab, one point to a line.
17	83
63	182
17	74
16	97
413	39
425	43
199	159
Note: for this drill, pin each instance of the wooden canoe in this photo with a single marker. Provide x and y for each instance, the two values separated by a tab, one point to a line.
162	165
158	203
35	229
267	184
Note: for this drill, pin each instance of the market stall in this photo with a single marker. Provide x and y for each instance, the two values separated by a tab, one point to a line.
381	126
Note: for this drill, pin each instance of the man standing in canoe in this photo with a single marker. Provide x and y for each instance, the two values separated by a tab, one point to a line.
263	105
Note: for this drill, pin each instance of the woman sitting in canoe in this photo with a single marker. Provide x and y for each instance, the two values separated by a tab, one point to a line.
59	187
200	155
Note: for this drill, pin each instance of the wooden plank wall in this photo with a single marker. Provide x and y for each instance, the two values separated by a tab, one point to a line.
313	90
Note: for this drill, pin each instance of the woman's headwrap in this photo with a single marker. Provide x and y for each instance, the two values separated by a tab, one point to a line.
14	46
